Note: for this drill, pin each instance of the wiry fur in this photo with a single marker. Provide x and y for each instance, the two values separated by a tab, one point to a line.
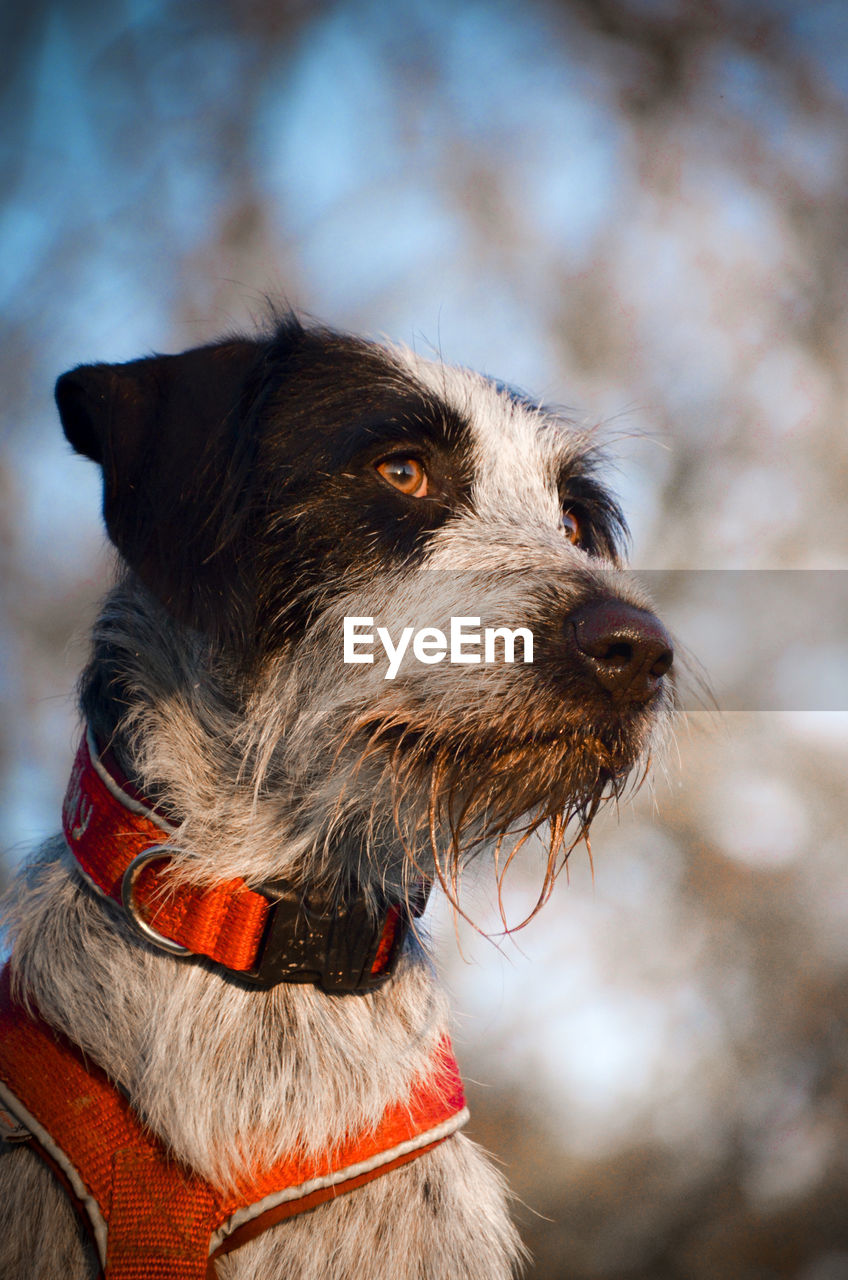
219	683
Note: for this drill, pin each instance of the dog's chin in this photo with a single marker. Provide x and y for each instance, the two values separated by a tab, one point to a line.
552	748
480	786
449	810
451	789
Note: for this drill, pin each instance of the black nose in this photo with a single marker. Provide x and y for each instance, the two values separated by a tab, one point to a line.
628	649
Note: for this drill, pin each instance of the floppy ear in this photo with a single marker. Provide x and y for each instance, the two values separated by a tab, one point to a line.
173	438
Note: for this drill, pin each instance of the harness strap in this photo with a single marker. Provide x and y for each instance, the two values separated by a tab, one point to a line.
150	1217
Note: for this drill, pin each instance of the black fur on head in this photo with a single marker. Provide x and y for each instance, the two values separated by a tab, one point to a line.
238	475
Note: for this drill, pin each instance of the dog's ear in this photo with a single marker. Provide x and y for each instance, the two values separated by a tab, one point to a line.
172	436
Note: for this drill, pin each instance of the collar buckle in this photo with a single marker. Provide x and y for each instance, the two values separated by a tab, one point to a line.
334	947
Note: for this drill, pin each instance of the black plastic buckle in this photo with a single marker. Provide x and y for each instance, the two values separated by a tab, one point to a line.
334	949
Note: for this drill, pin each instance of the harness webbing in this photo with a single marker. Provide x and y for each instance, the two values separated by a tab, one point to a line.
150	1217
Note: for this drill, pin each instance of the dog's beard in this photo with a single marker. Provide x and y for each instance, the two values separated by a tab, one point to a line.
449	797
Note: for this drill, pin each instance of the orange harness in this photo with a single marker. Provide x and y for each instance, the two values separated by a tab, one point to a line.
150	1217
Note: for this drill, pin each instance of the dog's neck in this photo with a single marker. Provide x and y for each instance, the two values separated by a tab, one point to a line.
276	933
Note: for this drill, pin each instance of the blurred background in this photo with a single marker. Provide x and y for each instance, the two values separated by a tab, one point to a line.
637	208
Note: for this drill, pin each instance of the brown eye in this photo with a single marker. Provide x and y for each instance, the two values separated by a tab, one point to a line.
571	527
405	474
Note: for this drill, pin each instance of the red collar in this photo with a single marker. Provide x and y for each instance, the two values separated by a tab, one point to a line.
261	936
147	1214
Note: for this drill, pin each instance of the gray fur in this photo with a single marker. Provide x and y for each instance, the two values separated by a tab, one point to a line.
42	1237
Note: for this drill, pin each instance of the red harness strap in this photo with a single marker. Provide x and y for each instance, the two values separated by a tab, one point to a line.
150	1217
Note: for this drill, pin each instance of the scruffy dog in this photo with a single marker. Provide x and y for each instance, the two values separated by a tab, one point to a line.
222	1047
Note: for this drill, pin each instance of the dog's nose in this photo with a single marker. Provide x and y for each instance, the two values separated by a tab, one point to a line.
627	649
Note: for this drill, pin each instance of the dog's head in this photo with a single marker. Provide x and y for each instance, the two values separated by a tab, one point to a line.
265	491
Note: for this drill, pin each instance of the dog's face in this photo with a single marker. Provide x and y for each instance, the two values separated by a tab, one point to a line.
265	491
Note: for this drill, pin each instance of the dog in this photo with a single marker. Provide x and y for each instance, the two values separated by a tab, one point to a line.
273	499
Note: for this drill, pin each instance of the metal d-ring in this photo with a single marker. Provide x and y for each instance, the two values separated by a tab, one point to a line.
128	898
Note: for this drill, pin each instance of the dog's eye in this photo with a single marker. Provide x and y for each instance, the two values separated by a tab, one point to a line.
571	527
405	474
